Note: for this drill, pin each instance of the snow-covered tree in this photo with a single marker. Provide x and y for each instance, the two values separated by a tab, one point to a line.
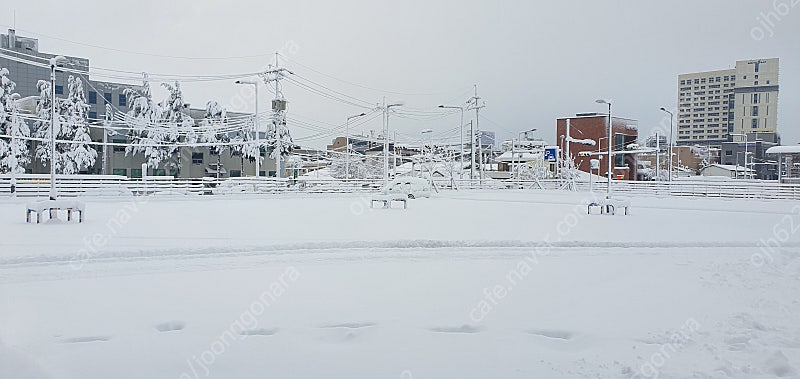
211	129
71	125
14	150
360	167
278	123
80	154
176	121
148	134
244	142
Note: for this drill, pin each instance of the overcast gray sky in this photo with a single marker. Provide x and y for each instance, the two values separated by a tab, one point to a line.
532	61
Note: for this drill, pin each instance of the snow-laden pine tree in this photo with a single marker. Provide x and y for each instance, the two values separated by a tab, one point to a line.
244	142
71	125
176	121
79	154
278	123
147	134
211	130
14	152
44	108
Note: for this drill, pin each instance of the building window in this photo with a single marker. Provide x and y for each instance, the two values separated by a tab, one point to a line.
197	158
120	171
236	173
756	98
107	97
119	149
92	97
159	172
92	115
136	173
728	153
123	100
755	123
755	110
59	89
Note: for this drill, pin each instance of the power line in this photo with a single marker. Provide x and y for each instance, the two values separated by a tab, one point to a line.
108	48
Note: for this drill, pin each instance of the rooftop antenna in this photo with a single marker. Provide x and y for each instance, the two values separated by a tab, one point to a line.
15	19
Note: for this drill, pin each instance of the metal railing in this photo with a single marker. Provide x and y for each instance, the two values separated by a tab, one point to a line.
88	185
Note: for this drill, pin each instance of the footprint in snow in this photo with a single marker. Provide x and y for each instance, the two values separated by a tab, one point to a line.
344	332
349	325
468	329
86	339
554	334
170	326
259	332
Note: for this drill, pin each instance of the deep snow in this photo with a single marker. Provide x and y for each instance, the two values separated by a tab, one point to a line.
465	284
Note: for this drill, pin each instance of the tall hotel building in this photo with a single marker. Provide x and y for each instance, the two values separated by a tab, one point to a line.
714	105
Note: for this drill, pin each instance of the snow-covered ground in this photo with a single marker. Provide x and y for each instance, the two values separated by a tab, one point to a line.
465	284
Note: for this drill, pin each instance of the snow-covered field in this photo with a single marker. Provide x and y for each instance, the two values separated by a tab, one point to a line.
465	284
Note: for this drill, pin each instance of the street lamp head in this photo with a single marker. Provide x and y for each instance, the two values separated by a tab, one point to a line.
246	81
57	60
425	131
395	105
601	101
663	109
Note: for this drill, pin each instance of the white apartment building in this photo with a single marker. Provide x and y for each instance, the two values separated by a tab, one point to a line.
712	105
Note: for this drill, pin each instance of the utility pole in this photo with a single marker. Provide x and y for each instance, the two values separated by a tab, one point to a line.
386	109
474	103
278	109
106	126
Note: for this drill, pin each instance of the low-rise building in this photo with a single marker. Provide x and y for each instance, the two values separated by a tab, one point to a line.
594	127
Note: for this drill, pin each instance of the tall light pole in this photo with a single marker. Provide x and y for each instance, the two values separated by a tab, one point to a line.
257	126
671	141
347	144
55	61
609	142
461	132
386	109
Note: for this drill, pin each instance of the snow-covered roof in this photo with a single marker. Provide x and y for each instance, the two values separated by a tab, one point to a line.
519	156
795	149
729	167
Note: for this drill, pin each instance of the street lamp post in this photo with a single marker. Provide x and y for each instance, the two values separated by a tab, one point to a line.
745	151
386	109
461	133
610	141
55	61
671	141
257	126
347	144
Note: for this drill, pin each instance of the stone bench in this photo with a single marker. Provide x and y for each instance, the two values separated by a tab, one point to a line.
387	200
609	206
51	206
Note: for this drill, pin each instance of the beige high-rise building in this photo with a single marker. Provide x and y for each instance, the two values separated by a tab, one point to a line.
712	105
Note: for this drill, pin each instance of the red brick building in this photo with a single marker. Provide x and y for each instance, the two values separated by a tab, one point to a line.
594	126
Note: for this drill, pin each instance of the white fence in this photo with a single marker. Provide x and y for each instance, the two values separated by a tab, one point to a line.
96	185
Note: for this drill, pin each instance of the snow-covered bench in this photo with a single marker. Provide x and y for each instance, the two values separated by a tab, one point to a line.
609	206
54	206
388	199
